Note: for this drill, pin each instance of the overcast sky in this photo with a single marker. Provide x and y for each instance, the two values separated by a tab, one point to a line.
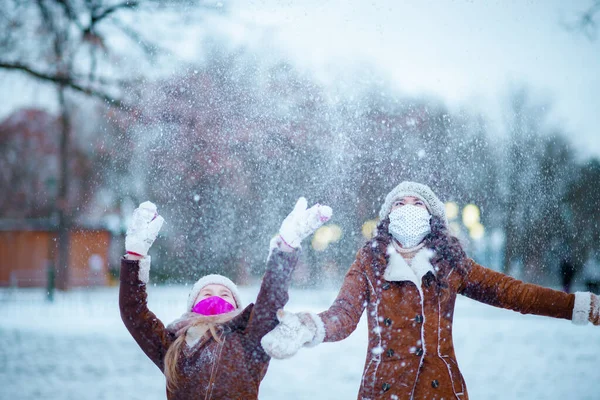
469	53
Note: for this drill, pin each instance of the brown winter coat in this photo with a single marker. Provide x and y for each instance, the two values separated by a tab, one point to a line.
232	369
410	351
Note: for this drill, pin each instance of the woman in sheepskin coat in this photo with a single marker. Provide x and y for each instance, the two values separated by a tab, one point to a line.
213	351
407	277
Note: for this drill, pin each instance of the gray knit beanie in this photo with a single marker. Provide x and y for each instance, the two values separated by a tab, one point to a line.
418	190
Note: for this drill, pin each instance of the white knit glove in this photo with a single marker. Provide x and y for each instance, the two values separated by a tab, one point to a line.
594	309
143	229
302	222
586	308
293	332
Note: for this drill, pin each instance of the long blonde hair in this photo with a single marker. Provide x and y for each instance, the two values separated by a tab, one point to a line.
211	324
171	369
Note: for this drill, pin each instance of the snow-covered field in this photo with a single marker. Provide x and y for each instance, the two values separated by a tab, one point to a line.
77	348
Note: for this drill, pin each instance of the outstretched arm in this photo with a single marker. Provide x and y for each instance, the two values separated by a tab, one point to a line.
307	329
147	330
273	293
500	290
145	327
283	256
341	319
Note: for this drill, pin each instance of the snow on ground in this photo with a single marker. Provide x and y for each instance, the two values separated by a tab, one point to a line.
78	348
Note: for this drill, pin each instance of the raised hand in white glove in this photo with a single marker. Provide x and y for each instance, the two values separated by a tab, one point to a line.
295	330
303	222
143	229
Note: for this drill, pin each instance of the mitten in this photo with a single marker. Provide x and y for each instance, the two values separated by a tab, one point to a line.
595	310
143	229
586	308
302	222
295	330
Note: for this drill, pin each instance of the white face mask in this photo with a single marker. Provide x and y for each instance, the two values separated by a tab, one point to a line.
409	225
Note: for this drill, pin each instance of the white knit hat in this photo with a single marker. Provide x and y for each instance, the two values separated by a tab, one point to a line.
213	279
418	190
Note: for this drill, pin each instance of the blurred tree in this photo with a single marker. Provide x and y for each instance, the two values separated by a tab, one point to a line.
582	200
30	188
226	148
515	160
476	169
67	44
538	164
546	227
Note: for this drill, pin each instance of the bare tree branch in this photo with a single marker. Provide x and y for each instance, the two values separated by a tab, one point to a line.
61	80
109	10
70	13
150	49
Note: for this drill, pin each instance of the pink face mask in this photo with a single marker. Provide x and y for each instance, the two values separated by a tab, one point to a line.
212	306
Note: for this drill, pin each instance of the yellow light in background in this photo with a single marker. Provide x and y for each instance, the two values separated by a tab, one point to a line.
368	228
326	235
470	215
335	232
319	245
454	228
322	235
476	231
451	210
320	239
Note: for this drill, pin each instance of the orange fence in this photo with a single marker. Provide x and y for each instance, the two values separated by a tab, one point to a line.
25	257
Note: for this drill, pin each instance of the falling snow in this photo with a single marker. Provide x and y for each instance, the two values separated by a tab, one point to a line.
229	116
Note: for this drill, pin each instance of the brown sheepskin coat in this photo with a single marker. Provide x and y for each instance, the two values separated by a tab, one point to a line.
410	310
232	369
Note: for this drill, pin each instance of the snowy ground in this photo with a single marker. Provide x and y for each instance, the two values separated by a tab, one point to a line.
77	348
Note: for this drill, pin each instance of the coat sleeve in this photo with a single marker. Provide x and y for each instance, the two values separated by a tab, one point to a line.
500	290
340	320
147	330
273	293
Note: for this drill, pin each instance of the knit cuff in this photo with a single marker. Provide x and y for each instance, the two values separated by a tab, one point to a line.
581	308
319	331
277	243
144	272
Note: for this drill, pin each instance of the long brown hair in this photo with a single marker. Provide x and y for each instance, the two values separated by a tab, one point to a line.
171	360
446	246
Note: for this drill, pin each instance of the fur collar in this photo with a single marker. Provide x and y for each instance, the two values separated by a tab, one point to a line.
398	269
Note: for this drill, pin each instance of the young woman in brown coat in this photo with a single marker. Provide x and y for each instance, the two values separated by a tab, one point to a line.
213	351
407	277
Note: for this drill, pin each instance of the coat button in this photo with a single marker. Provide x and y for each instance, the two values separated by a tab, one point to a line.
435	384
428	278
387	322
386	286
389	352
419	352
419	319
386	387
